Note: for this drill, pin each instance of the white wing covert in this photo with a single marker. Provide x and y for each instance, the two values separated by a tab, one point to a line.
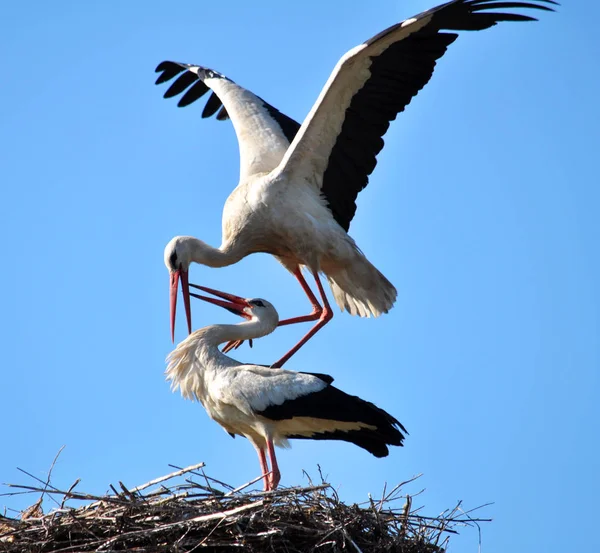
263	132
252	389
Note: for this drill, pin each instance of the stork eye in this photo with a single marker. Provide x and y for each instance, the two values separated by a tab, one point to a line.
258	303
173	260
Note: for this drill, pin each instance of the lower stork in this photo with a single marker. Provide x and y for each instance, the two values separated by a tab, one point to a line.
270	406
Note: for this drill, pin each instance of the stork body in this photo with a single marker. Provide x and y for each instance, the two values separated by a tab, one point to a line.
258	218
270	406
299	183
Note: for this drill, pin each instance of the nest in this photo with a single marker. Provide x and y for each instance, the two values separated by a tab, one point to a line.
188	511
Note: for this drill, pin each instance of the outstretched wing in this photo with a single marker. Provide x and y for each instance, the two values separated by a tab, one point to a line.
339	140
263	132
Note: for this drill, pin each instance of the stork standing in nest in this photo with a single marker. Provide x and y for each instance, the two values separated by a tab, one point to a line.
298	183
270	406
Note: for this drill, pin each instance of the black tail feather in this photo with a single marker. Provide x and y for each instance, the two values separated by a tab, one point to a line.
331	405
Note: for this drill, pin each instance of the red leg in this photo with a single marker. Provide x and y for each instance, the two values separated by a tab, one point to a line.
264	468
317	309
320	314
325	316
314	316
275	474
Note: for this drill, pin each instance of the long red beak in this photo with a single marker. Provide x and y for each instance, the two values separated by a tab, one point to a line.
185	289
234	304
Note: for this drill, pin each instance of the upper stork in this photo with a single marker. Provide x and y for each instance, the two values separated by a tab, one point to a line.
298	183
270	406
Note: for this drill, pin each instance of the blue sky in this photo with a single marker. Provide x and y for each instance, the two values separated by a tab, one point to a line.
483	211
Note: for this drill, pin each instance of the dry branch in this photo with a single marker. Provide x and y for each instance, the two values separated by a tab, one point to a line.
187	516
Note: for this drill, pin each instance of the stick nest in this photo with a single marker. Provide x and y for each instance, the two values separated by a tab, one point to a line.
188	511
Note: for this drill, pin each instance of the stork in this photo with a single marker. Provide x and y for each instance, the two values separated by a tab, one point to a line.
299	183
270	406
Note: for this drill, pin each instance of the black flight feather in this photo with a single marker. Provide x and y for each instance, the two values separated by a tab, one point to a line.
331	404
197	88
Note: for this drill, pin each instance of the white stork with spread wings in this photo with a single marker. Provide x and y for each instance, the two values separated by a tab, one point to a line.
270	406
298	183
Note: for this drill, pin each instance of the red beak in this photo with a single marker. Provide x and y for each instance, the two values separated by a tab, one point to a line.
234	304
185	289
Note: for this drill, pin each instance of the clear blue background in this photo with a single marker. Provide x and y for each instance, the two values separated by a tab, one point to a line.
483	211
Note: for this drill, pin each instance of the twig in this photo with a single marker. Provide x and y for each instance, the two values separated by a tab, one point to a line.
223	484
351	541
76	495
244	486
168	477
43	482
68	493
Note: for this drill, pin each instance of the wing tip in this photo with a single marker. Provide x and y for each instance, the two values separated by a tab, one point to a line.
168	70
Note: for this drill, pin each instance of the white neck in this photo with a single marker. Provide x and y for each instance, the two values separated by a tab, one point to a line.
227	254
215	335
199	353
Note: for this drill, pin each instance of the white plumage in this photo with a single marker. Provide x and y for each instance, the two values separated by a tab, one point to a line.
299	183
269	406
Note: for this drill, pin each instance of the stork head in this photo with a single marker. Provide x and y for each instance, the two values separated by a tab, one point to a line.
178	257
255	309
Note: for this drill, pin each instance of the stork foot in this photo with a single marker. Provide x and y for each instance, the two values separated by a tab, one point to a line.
275	478
314	315
235	344
326	316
